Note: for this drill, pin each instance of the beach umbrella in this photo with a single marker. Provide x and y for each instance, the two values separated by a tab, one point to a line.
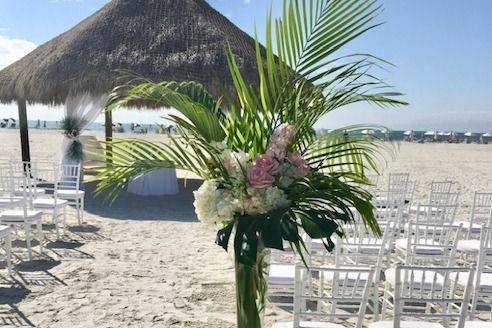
408	133
470	134
158	39
487	135
430	133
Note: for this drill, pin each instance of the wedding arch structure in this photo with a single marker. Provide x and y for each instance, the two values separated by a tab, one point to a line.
157	39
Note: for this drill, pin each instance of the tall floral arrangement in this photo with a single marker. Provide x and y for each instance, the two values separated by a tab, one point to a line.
268	178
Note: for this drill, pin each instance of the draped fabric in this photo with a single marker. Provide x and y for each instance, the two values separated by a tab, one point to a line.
83	110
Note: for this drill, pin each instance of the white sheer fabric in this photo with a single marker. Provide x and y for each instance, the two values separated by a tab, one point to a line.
155	183
85	109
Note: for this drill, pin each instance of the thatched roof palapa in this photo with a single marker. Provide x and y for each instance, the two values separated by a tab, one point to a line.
158	39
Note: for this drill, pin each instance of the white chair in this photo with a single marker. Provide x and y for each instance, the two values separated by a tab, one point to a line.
471	245
482	282
427	293
398	186
25	217
438	202
428	244
345	297
446	186
55	206
69	188
364	250
6	245
480	214
20	169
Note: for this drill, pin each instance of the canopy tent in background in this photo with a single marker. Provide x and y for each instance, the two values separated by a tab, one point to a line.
162	40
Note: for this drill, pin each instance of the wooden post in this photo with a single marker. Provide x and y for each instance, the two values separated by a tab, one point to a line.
24	131
108	124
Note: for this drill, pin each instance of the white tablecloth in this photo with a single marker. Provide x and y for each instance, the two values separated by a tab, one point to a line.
155	183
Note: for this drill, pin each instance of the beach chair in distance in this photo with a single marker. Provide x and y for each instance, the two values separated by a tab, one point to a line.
324	305
430	294
69	188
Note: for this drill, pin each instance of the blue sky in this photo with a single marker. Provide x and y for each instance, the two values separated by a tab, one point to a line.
442	50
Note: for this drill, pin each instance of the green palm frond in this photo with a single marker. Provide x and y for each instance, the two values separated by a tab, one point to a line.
301	77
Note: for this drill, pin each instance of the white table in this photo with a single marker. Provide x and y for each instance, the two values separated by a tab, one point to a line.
155	183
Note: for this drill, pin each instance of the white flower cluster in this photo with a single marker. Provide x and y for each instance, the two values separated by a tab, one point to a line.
262	201
236	163
213	205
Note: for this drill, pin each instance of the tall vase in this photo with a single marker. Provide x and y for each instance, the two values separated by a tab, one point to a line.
250	292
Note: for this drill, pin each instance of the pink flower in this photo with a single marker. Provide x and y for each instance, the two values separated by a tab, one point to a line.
283	135
301	167
276	152
259	178
296	159
268	163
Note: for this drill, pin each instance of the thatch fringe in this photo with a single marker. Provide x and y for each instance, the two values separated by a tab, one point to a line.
158	39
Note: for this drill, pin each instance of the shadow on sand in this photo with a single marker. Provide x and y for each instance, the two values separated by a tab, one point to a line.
11	293
133	207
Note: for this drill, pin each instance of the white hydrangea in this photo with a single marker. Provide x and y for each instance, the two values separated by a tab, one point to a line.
264	200
236	162
214	205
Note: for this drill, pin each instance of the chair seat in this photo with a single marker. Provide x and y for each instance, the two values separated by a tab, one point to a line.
18	215
347	278
9	202
4	231
390	277
406	324
424	209
468	245
365	246
485	282
475	228
425	247
282	274
307	324
48	203
34	191
478	324
70	193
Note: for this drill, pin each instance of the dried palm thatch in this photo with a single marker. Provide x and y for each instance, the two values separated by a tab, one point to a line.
158	39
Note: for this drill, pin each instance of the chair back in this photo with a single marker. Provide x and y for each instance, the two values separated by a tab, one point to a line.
69	177
345	296
482	292
480	212
442	186
431	244
431	293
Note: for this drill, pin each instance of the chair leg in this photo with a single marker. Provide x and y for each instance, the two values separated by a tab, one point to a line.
27	228
385	301
40	235
8	253
82	210
64	219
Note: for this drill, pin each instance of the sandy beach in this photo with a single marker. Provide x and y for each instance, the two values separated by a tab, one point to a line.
147	261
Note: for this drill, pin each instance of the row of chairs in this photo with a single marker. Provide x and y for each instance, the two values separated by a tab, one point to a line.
416	269
27	192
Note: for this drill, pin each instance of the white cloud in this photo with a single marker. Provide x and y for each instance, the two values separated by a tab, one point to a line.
247	1
13	49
